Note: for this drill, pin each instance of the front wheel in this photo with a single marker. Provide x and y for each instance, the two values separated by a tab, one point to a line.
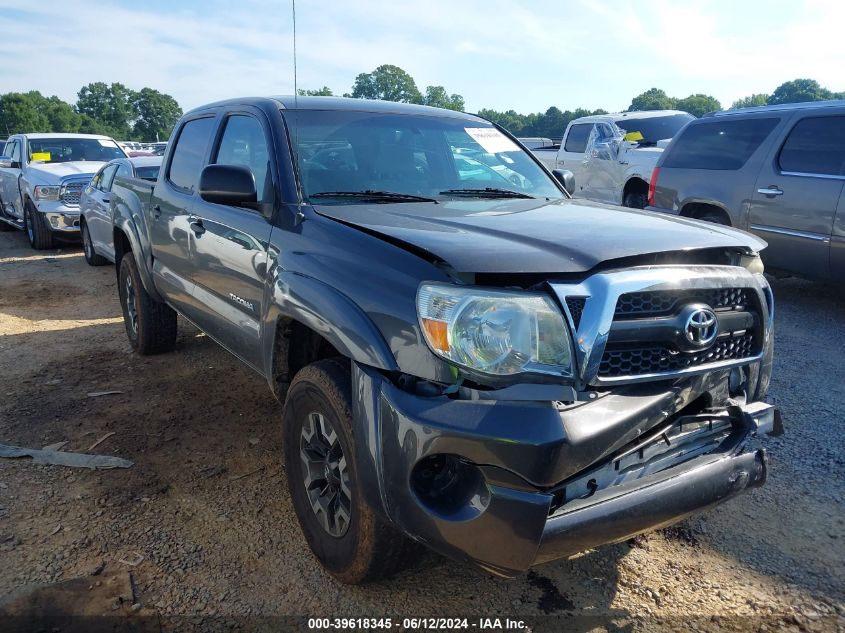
88	247
150	325
39	234
343	532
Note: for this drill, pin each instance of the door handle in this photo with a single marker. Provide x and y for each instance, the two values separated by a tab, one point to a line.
771	192
197	227
157	212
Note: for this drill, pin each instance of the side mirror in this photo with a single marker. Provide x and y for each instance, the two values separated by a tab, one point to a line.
232	185
8	163
605	150
566	178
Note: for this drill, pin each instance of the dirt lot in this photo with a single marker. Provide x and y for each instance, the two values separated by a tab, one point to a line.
204	525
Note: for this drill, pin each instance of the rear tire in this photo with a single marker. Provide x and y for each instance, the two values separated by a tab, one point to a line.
635	200
35	224
345	535
150	325
88	248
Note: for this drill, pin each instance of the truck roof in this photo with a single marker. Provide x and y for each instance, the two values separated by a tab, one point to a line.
290	102
639	114
63	135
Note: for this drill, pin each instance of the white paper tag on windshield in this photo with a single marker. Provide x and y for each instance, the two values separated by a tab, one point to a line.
492	140
105	143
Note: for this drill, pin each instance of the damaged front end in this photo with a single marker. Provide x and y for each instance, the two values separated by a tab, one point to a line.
657	420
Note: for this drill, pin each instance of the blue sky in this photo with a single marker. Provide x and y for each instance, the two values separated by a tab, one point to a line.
496	53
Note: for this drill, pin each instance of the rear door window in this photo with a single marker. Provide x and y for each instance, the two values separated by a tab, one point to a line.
576	140
719	144
816	145
189	153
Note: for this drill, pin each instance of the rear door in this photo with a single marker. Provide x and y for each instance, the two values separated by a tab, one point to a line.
571	154
229	244
797	193
171	206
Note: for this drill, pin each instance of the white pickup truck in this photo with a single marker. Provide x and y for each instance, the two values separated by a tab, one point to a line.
612	155
41	178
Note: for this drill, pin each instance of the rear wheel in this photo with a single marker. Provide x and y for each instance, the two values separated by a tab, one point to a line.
635	200
343	532
39	234
88	247
150	325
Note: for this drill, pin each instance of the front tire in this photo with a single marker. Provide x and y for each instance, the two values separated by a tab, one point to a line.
88	248
343	532
35	224
150	325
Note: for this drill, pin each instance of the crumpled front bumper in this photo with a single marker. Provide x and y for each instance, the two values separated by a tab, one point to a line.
61	218
525	452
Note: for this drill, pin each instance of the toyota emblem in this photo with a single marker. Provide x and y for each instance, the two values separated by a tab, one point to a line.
701	327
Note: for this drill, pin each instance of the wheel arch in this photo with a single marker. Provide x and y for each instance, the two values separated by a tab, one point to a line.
308	321
696	208
126	239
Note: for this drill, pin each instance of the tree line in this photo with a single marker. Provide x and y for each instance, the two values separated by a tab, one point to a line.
114	110
149	115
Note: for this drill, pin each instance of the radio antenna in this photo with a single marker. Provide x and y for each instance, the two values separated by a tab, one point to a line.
295	87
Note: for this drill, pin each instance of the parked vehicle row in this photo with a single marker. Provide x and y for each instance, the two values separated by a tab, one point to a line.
776	171
41	179
468	358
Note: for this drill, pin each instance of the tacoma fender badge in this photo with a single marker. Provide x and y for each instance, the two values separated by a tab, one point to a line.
243	302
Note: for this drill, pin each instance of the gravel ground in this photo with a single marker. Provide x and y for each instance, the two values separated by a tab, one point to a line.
203	527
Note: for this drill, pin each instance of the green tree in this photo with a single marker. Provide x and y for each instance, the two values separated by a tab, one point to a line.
22	112
652	99
109	105
437	97
698	104
799	90
156	114
757	99
60	114
388	83
325	91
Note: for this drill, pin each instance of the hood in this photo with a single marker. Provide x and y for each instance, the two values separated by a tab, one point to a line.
52	173
533	236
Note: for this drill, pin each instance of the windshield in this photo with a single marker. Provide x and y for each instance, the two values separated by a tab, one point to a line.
655	128
341	152
63	150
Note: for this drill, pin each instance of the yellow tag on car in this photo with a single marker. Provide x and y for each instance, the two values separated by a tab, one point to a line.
45	156
634	136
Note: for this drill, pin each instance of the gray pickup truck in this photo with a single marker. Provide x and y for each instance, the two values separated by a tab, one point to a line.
468	358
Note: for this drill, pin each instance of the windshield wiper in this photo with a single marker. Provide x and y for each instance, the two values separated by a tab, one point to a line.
377	196
487	192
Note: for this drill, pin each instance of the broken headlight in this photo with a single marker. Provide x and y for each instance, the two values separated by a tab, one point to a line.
495	332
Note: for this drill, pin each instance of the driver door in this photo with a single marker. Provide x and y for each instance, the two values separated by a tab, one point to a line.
9	177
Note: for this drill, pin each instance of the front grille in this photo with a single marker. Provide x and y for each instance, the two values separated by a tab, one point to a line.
635	361
576	308
661	302
71	192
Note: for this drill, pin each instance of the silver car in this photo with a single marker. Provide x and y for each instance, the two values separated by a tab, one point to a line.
95	214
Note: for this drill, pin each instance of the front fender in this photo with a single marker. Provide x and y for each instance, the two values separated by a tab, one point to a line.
329	313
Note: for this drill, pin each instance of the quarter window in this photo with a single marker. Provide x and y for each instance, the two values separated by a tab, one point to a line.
188	155
15	151
243	143
576	140
718	144
815	145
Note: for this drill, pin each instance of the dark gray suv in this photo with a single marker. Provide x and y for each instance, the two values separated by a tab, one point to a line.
776	171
